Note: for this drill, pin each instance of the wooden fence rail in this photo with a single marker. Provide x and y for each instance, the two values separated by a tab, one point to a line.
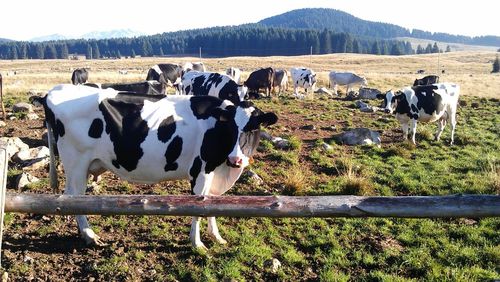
259	206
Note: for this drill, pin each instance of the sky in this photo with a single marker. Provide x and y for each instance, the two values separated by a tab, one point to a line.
23	20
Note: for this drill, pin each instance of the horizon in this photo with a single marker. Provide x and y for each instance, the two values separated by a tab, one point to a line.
204	16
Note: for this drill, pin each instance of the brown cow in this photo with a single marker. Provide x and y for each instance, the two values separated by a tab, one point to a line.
261	78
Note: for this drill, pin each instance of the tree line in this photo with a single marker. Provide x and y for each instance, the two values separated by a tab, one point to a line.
246	40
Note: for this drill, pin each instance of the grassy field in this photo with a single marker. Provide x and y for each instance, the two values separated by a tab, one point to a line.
333	249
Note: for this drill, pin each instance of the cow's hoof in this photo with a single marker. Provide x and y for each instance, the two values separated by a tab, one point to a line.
221	241
200	246
95	241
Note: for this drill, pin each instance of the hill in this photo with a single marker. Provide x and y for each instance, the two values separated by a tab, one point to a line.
321	18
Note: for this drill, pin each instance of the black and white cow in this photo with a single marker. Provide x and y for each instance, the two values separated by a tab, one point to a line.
168	75
150	87
213	84
303	77
79	76
426	80
149	139
429	103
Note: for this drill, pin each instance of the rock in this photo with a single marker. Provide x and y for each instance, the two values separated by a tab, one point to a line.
326	146
2	123
31	154
273	265
308	127
36	164
265	136
280	143
368	93
359	136
253	178
22	108
462	103
13	145
24	179
32	116
351	96
323	90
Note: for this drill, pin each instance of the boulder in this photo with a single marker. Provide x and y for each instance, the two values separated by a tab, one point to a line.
359	136
368	93
31	154
280	143
22	108
13	145
323	90
252	178
24	179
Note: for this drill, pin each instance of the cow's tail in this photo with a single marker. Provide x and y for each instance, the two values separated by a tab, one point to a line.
54	182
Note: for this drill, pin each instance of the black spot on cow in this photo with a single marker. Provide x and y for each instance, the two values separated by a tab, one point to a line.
414	108
126	128
60	128
429	102
217	143
230	92
200	87
203	106
96	128
166	129
194	171
173	152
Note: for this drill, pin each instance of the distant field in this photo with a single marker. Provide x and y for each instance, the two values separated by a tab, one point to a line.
469	69
442	45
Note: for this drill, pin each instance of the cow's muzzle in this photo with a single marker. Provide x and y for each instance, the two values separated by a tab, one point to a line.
235	162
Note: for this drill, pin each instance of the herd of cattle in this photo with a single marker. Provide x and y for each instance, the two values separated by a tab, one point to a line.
207	136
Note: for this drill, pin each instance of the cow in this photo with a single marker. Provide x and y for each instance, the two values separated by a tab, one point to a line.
303	77
196	66
349	79
261	78
427	103
426	80
151	87
168	75
420	71
79	76
235	74
213	84
149	139
280	80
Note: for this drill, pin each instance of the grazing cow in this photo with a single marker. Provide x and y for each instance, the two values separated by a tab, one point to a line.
426	80
168	75
420	71
213	84
303	77
79	76
280	80
235	74
196	66
261	78
151	87
427	103
345	78
149	139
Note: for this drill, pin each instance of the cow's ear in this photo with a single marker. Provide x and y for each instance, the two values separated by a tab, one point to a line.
267	119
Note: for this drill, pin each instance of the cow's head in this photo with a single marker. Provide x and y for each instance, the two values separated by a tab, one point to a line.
248	120
391	100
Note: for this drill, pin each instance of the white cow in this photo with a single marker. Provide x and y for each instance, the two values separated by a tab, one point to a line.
235	74
303	77
345	78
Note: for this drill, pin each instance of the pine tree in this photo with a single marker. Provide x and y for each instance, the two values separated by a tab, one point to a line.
496	65
428	49
420	50
89	54
448	48
376	48
435	48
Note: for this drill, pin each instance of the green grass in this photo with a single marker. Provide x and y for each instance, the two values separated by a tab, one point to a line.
326	249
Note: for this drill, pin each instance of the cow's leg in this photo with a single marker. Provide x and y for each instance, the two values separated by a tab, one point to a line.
201	187
404	127
213	230
295	92
76	184
441	125
453	122
413	130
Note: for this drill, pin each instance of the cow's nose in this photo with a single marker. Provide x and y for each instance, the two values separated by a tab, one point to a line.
235	161
387	111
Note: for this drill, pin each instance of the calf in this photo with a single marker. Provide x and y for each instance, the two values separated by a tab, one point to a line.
303	77
149	139
151	87
280	80
169	75
429	103
79	76
213	84
426	80
261	78
349	79
235	74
